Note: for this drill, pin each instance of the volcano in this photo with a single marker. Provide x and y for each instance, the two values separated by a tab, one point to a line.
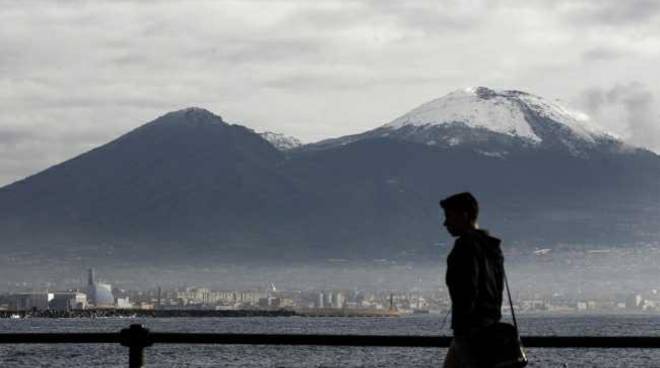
189	187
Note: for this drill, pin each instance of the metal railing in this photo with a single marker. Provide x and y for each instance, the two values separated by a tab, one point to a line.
137	338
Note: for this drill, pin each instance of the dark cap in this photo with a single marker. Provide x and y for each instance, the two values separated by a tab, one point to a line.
463	202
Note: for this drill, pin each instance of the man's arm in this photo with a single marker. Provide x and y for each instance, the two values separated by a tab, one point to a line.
465	275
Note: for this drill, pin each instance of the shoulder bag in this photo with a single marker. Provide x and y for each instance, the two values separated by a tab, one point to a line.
499	344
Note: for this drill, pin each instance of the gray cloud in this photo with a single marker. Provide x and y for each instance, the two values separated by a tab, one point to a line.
603	54
10	137
637	108
319	80
611	12
593	99
275	50
432	16
74	75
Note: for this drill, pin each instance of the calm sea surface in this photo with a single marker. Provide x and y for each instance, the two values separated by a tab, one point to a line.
265	356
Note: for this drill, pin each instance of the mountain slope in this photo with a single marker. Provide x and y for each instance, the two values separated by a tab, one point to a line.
383	194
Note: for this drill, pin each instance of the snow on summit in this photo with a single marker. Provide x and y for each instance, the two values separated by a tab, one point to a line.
499	111
280	141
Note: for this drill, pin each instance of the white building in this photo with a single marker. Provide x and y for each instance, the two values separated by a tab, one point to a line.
124	303
340	300
98	294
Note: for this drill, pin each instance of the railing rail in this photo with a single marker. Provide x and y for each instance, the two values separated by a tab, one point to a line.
136	338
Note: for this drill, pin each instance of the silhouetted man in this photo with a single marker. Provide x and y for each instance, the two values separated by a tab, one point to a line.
474	278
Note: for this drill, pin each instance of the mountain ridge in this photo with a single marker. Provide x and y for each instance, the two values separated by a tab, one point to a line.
189	187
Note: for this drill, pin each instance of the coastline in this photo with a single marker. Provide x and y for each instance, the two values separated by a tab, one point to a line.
188	313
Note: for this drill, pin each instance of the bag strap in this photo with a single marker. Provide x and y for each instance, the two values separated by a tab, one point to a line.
508	293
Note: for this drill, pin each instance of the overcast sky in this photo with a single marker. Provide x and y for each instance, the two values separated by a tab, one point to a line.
77	74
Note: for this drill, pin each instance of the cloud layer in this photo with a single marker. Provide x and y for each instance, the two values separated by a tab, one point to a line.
632	108
77	74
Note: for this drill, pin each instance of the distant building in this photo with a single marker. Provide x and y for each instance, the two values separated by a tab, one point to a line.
269	302
66	301
194	295
249	297
98	294
634	301
143	305
124	303
29	301
329	302
339	300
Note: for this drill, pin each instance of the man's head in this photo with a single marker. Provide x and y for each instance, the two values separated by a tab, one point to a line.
461	212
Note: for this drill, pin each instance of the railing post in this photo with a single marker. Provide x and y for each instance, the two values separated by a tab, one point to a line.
136	338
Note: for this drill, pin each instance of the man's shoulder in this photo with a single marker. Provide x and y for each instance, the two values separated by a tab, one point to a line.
465	245
475	242
470	238
479	236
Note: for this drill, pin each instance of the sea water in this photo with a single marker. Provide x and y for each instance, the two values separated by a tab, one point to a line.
109	355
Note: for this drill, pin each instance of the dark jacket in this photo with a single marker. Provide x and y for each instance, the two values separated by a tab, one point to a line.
475	269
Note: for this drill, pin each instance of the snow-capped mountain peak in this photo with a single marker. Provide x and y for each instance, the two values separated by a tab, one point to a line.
494	123
500	111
